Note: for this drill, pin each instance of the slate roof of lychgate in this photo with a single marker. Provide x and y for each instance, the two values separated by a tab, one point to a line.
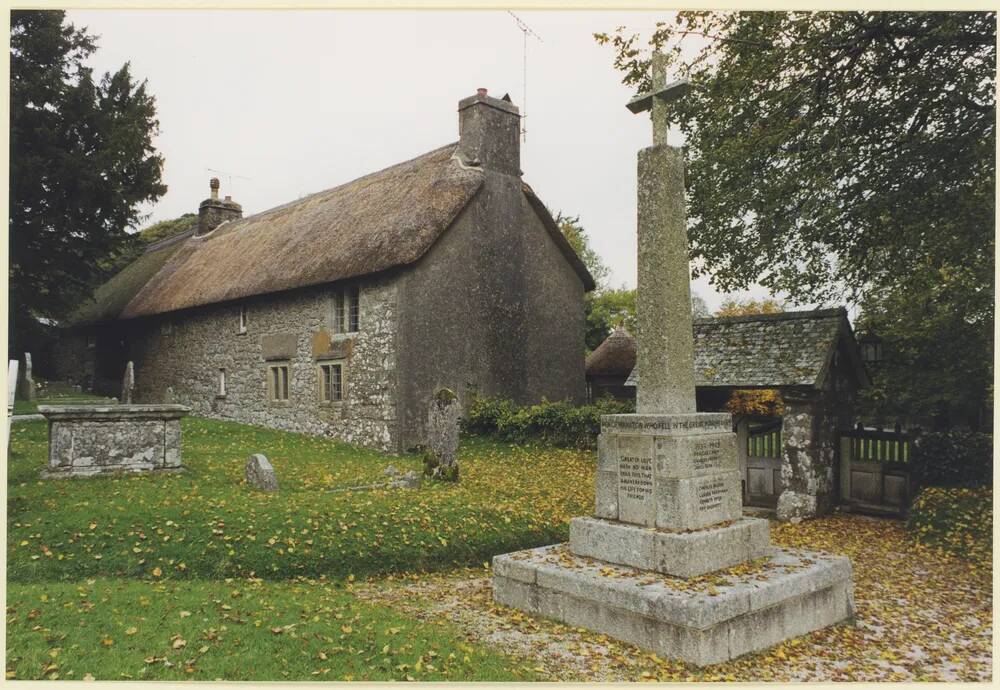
770	350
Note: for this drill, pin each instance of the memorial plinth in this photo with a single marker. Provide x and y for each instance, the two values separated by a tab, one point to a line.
668	512
668	500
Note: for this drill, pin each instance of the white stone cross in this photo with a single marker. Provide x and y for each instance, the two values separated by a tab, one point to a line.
657	99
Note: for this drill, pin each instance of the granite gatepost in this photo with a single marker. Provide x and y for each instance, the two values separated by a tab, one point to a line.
668	503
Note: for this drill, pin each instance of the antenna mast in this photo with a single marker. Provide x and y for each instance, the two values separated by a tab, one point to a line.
230	176
525	30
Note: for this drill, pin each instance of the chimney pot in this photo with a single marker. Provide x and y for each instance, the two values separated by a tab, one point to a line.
212	212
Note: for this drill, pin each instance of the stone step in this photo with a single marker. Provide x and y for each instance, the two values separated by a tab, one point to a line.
683	554
793	593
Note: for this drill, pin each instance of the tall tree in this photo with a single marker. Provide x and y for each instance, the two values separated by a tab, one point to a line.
580	242
82	161
838	155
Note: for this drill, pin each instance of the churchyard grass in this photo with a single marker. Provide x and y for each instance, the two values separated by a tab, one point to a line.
106	575
230	629
58	398
206	523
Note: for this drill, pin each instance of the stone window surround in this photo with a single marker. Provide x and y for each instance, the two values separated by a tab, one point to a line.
346	307
321	364
223	387
268	380
242	329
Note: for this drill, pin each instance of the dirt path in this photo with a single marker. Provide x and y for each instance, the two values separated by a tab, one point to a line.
920	617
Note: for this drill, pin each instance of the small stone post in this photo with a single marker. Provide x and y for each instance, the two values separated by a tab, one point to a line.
128	383
11	384
443	417
27	382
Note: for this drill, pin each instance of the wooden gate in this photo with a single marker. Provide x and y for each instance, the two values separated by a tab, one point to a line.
875	469
760	455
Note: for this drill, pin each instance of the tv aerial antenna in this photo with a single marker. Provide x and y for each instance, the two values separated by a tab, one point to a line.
525	31
229	176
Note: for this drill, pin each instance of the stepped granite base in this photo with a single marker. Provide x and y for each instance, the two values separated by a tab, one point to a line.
702	621
682	554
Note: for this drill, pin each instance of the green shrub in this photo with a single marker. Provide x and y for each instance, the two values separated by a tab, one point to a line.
958	520
953	458
556	423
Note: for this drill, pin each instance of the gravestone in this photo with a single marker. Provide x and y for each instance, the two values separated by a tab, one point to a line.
443	416
11	385
260	473
26	382
128	383
668	504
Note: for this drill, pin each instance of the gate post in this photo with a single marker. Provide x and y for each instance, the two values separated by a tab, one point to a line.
845	469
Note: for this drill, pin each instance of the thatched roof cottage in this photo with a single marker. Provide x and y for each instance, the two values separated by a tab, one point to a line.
340	313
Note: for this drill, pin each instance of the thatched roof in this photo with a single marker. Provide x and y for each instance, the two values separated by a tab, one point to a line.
793	348
614	357
386	219
111	297
374	223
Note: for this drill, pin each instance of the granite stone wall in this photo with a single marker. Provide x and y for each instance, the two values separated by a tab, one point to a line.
492	309
178	358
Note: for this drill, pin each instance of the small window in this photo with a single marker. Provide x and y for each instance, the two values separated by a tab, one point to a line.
277	382
165	328
338	312
347	310
354	310
222	383
91	340
331	382
243	318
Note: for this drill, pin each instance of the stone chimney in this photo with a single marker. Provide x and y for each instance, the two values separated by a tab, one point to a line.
212	212
489	133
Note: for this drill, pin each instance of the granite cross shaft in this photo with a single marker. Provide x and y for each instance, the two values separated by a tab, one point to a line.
665	343
657	99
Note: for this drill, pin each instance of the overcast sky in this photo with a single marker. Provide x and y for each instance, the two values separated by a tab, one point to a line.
294	102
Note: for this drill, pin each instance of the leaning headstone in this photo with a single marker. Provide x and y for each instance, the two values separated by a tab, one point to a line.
260	473
668	496
11	384
128	383
443	417
390	471
26	382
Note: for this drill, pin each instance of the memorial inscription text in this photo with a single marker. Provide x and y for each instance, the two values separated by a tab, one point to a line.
635	477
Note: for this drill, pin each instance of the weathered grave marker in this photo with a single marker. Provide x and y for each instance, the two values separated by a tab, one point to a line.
443	417
260	473
128	383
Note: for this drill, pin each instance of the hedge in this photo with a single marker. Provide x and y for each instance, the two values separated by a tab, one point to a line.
556	423
958	520
952	458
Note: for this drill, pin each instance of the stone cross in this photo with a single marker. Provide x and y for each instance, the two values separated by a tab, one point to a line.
665	343
657	99
128	383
